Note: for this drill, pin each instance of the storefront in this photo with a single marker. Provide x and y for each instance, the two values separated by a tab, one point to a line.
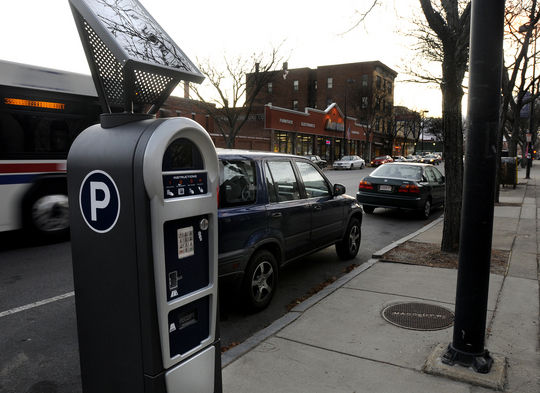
315	132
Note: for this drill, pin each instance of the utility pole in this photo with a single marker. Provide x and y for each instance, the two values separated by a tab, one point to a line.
467	347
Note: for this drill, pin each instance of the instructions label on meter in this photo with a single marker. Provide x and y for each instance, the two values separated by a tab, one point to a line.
185	242
177	186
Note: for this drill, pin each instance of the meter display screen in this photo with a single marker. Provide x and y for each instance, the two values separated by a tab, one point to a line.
178	186
182	155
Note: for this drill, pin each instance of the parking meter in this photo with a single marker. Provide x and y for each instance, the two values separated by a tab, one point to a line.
143	206
143	209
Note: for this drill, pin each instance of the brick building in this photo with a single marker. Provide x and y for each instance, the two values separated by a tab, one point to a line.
329	111
364	91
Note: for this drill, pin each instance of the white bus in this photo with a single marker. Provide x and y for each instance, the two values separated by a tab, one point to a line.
41	112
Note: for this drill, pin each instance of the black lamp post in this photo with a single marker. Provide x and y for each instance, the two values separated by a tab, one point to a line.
349	81
524	29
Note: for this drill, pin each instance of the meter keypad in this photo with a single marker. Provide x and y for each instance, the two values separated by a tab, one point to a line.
186	256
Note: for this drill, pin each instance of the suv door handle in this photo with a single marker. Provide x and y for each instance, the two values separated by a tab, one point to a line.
276	215
317	207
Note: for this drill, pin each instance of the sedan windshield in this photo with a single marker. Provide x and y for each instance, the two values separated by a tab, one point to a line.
348	158
409	172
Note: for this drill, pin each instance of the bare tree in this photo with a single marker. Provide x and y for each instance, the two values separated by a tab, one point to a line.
448	40
518	86
372	114
235	89
444	38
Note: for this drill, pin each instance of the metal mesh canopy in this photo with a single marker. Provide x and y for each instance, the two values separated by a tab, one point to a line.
133	60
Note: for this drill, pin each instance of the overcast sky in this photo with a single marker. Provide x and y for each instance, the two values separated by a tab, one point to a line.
42	32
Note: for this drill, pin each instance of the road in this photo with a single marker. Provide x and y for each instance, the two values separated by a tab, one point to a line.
38	344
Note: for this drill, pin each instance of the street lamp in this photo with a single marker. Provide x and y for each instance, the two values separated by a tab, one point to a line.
525	29
349	81
422	114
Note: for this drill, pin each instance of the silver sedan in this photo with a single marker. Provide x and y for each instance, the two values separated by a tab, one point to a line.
349	162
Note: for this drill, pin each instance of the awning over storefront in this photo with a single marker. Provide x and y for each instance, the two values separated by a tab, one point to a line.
329	123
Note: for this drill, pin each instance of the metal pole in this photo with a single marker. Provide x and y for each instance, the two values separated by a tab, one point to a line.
467	347
531	115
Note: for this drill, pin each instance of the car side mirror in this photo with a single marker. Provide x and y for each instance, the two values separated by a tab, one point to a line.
339	189
443	180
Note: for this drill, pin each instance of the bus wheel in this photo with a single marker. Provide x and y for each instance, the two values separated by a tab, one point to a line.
47	214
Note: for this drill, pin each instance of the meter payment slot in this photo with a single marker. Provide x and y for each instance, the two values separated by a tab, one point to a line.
144	245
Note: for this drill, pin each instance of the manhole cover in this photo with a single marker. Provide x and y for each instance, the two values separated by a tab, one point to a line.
418	316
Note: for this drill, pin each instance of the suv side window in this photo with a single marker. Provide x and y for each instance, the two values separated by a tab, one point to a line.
285	182
238	183
272	198
314	183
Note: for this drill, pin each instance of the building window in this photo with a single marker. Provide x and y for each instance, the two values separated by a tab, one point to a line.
379	82
295	104
270	87
365	80
328	102
330	82
295	85
364	102
389	86
315	85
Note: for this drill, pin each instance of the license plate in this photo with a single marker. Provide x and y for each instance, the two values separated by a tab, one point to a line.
385	188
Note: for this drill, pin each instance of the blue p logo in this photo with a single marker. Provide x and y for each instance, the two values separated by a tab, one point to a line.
99	201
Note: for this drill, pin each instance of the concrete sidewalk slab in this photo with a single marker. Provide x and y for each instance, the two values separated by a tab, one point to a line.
420	282
350	322
515	333
284	366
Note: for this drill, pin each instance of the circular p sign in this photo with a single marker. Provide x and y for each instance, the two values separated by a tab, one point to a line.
99	201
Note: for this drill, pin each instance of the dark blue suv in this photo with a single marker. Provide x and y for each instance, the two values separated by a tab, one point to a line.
274	208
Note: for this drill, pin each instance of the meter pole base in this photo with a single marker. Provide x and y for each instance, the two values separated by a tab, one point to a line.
480	362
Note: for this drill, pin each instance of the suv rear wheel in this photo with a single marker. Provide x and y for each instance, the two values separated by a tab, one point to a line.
348	247
260	280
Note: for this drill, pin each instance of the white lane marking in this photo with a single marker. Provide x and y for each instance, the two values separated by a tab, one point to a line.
36	304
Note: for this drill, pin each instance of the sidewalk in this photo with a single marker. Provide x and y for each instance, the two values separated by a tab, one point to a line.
338	341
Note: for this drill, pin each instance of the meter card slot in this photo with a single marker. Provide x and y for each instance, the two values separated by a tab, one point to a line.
184	185
189	326
186	256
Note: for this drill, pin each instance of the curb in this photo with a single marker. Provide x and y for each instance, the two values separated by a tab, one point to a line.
236	352
382	251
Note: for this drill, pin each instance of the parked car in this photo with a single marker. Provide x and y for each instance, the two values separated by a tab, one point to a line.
408	185
411	158
381	160
430	159
349	162
399	158
275	208
317	160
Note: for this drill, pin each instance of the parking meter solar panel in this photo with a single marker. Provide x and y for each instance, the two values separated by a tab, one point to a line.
133	60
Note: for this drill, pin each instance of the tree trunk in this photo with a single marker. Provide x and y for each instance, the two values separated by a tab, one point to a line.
453	150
